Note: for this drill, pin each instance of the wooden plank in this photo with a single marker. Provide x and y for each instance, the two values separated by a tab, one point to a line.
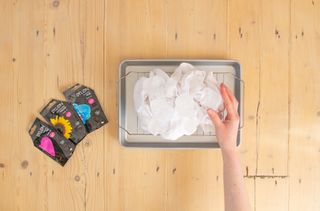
271	193
112	59
304	166
75	54
272	146
24	82
92	52
135	177
196	30
6	107
200	175
244	41
64	65
250	187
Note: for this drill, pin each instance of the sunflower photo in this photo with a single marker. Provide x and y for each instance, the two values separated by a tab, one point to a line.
63	125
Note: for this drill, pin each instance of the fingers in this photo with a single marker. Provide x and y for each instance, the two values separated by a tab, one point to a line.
227	102
214	116
232	97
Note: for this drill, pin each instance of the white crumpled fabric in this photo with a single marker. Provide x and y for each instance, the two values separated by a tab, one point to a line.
176	105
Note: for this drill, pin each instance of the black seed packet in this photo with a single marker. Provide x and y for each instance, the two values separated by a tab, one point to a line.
51	142
86	104
62	116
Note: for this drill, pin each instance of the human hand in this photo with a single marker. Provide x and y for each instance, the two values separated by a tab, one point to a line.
226	130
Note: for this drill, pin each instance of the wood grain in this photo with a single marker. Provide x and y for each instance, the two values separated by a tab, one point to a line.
7	76
304	168
45	46
193	31
132	33
273	110
244	45
272	194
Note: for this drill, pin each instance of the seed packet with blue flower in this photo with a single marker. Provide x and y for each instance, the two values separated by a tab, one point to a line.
86	104
62	116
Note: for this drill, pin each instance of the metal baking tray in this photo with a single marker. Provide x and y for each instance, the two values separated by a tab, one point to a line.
131	135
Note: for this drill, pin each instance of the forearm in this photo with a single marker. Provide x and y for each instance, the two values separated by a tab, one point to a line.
235	195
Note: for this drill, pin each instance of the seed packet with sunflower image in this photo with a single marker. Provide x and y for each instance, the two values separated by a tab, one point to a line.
86	104
62	116
51	142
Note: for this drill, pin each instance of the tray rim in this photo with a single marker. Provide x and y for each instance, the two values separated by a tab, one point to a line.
190	145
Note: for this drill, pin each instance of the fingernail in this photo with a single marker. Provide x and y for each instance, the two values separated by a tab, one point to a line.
210	111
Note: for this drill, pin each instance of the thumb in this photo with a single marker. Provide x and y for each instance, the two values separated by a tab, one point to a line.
214	117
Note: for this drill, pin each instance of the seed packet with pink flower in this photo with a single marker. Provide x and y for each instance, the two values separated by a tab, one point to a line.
51	142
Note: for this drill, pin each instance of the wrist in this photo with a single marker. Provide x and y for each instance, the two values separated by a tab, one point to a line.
229	151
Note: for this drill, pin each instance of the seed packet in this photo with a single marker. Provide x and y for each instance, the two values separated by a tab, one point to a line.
86	104
62	116
51	142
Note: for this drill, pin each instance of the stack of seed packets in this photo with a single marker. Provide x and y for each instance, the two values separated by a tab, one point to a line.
69	122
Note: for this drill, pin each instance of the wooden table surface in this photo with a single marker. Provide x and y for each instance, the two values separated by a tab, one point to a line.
46	45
